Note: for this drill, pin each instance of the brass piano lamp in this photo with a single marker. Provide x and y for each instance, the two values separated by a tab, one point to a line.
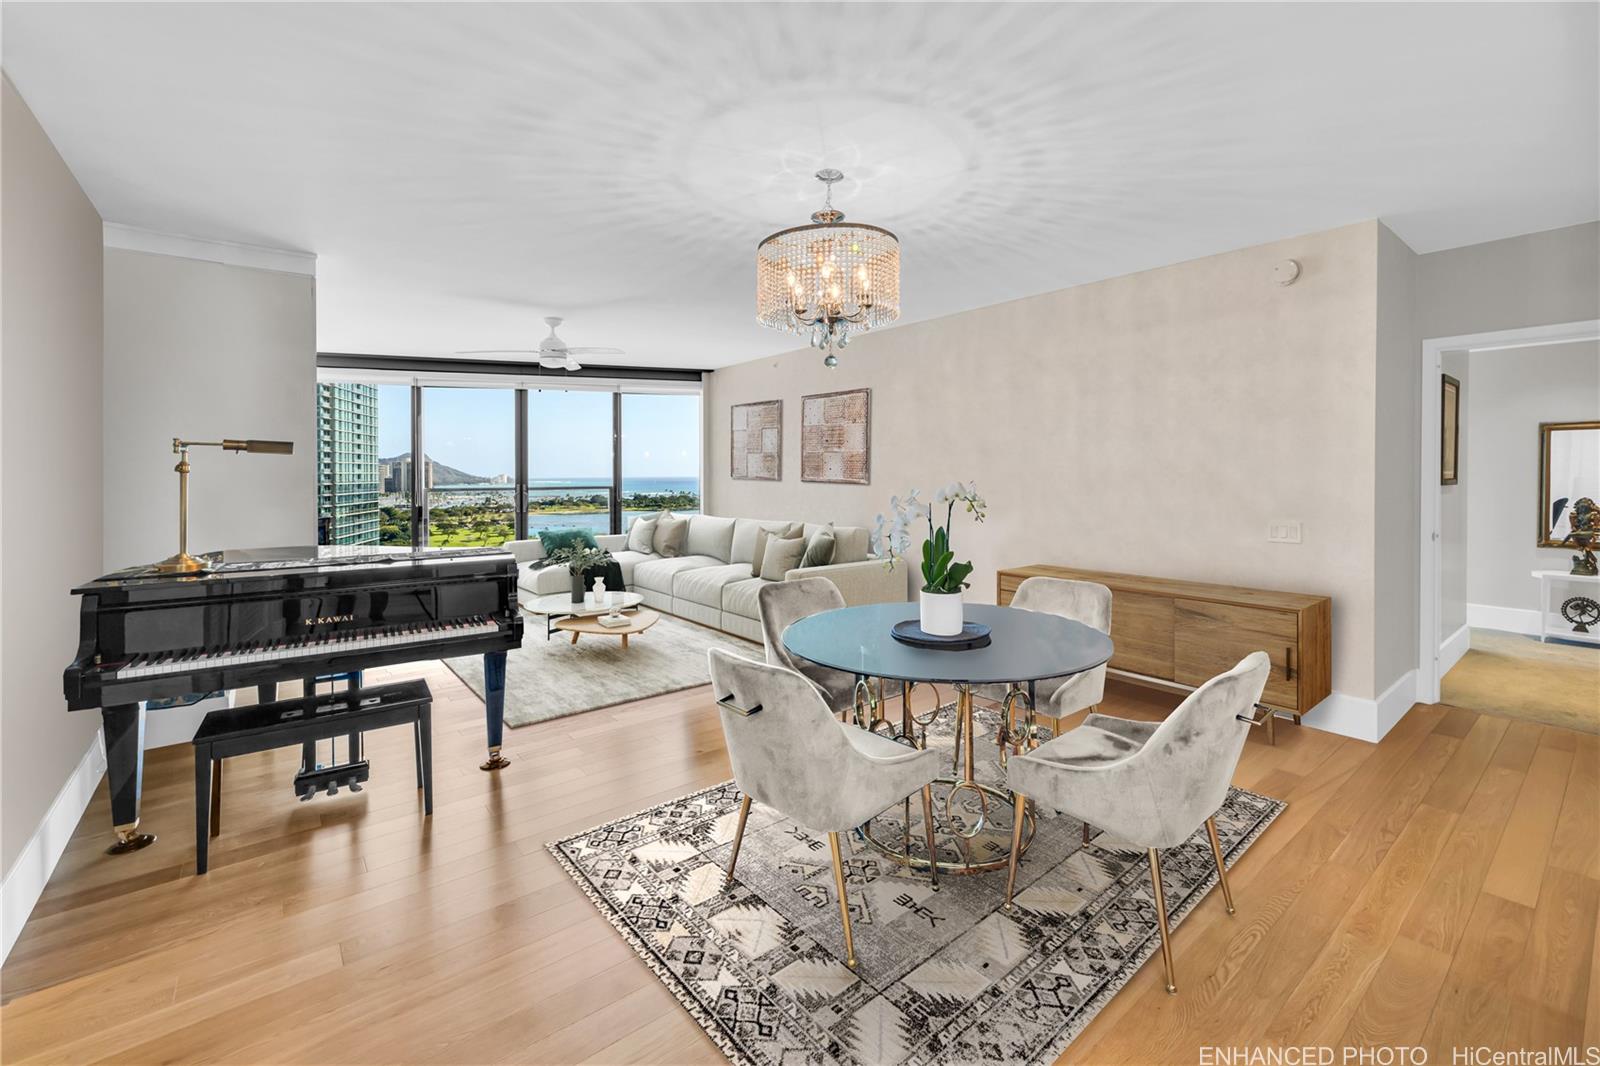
183	562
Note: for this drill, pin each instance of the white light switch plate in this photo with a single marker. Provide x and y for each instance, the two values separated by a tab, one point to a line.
1283	531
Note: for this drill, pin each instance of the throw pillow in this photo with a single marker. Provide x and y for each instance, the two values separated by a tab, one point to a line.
552	539
819	549
671	535
642	535
783	555
765	537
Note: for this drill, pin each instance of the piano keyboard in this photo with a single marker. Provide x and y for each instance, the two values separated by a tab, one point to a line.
322	644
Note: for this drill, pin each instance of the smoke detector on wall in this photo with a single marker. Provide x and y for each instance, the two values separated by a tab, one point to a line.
1286	272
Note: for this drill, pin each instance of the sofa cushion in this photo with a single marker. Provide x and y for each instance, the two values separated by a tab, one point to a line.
739	597
552	539
782	556
628	560
709	535
656	573
672	534
704	586
744	537
765	537
852	544
543	580
819	548
642	535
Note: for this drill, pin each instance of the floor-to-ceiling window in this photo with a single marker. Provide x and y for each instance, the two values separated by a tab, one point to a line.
395	502
570	437
660	454
592	457
469	441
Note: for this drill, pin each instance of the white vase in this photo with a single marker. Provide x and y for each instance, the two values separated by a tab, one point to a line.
941	613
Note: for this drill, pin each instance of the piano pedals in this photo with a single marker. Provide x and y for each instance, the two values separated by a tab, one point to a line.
329	778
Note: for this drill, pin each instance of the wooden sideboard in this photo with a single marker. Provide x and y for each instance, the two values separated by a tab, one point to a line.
1183	633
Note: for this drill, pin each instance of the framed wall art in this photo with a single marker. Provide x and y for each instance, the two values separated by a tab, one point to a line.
1449	429
836	437
756	441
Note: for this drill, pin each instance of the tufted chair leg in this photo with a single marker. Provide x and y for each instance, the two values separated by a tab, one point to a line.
738	838
844	902
1222	870
1016	845
933	848
1161	920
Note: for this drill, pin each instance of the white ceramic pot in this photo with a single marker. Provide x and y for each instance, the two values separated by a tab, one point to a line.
941	613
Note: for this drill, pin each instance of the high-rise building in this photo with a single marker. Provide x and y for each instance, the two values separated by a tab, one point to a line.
347	463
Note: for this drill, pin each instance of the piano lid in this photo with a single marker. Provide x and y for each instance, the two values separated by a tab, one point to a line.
237	562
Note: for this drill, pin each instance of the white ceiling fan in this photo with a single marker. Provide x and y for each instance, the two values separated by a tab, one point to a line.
553	353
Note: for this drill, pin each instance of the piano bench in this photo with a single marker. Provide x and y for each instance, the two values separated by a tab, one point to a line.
235	731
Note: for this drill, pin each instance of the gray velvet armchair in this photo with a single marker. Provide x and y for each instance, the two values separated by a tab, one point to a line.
1081	601
789	753
1153	784
783	603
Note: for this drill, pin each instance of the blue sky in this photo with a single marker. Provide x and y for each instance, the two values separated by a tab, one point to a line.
569	433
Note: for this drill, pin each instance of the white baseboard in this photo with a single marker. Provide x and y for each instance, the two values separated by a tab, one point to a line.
1363	718
1453	648
1505	619
26	879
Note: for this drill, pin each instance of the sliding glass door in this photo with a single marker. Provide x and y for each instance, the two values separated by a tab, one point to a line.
660	454
469	441
570	465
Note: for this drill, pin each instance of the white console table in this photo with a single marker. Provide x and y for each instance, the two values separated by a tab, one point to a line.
1555	588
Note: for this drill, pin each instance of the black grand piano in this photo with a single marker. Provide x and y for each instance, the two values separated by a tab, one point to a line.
257	617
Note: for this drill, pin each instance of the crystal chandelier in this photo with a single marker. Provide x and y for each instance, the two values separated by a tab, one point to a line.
829	279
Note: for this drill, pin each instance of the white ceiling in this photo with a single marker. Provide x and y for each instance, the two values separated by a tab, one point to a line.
463	170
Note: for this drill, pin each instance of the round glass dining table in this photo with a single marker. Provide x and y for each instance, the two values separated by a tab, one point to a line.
1024	647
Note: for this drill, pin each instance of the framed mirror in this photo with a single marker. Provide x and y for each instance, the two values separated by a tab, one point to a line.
1569	471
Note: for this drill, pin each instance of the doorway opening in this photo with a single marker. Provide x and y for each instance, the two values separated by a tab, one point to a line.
1499	483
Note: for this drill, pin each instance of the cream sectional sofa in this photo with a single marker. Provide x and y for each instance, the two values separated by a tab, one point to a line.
711	582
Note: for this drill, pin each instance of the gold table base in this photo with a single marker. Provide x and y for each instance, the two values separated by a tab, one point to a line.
869	715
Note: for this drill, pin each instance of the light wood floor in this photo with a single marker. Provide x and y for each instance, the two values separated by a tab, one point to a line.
1439	888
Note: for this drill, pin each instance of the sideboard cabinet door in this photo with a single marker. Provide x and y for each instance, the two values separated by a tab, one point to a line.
1141	633
1210	638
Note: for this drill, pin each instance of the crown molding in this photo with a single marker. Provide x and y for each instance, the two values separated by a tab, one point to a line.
229	253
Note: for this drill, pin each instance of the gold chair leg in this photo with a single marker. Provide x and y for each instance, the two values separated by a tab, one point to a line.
933	848
738	838
1222	870
1161	919
1018	810
844	903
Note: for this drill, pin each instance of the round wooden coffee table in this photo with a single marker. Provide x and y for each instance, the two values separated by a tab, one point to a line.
638	621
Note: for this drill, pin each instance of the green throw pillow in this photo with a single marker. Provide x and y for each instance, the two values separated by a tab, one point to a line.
565	538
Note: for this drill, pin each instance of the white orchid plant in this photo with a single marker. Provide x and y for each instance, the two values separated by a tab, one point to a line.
891	536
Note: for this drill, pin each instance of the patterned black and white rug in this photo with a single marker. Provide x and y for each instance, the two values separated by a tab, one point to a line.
944	977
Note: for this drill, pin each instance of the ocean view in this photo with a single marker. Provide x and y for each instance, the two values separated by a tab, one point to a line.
553	503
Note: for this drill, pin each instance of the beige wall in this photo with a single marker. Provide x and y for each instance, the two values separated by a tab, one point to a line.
204	350
50	466
1153	423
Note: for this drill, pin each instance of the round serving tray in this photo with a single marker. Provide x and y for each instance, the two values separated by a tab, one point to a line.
972	635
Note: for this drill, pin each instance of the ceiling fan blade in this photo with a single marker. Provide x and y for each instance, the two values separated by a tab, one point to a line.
500	351
596	351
